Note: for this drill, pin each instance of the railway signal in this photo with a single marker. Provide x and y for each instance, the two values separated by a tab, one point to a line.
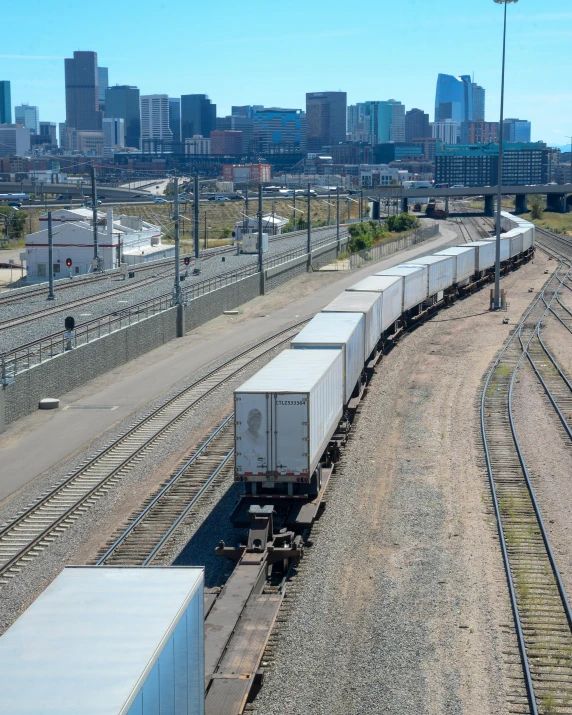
69	335
187	260
69	262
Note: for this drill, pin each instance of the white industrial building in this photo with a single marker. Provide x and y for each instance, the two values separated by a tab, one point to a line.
272	224
124	239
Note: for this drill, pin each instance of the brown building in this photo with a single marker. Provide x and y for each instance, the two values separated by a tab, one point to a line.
482	132
416	125
351	153
326	114
243	173
429	144
226	142
82	101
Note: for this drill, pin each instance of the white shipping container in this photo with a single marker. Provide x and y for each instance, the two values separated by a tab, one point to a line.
528	237
465	261
286	414
515	236
250	243
414	279
357	302
391	288
119	641
341	331
504	247
485	254
440	268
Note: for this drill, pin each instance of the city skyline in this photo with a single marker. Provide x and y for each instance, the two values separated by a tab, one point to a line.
476	29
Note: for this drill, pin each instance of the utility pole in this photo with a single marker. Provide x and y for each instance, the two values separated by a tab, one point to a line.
309	227
51	294
96	262
295	222
205	245
246	214
329	204
260	261
197	225
177	302
338	217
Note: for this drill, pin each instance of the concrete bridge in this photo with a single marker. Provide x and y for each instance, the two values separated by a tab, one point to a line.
39	188
558	196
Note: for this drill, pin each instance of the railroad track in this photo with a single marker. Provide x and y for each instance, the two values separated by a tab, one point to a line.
542	614
146	533
35	528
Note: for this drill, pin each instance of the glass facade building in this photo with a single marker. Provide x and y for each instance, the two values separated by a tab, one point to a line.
277	130
516	130
198	116
326	116
122	102
82	87
5	102
453	98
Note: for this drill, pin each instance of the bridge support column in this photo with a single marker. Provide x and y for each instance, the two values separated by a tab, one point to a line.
375	210
446	203
556	202
405	205
489	205
520	205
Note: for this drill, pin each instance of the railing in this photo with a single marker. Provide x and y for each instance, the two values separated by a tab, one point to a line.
360	258
27	356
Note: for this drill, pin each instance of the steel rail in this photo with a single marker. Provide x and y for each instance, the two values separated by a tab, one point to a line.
165	489
140	426
529	684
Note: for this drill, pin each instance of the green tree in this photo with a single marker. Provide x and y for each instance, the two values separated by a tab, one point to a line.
403	222
536	208
12	221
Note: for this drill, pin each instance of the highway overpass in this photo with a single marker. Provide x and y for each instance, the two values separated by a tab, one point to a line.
110	192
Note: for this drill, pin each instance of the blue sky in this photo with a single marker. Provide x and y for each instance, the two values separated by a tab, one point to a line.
273	53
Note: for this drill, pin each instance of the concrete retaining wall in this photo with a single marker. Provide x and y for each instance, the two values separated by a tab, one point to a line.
65	372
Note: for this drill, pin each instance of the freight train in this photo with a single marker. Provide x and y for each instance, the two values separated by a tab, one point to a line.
293	415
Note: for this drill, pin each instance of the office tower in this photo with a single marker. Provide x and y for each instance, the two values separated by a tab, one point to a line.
242	124
416	125
454	99
387	121
28	116
225	142
5	102
49	131
114	130
82	103
155	121
198	116
246	110
447	131
62	130
481	132
102	85
358	123
478	103
516	130
326	115
175	118
279	130
14	140
122	102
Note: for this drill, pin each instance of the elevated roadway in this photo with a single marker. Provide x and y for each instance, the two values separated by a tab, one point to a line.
110	192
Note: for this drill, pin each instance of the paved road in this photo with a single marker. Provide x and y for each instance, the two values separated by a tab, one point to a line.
35	443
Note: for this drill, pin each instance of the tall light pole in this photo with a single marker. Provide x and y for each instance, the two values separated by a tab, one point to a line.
570	158
496	305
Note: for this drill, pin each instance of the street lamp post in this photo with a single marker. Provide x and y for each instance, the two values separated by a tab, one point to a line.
496	305
570	158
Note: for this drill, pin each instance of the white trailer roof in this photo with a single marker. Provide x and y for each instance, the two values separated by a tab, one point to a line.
291	371
429	260
455	250
86	644
334	328
403	270
375	283
352	302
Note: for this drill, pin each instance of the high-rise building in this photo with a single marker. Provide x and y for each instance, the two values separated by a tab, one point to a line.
279	130
175	118
82	102
198	116
478	103
516	130
102	85
240	124
5	102
416	125
122	102
28	116
326	116
155	121
225	142
114	130
481	132
454	99
14	140
48	130
357	118
246	110
63	134
447	131
387	121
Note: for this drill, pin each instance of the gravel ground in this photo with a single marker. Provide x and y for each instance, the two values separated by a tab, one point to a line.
41	327
400	604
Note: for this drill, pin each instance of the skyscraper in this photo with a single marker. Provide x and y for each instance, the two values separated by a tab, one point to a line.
516	130
453	98
175	118
82	103
198	116
387	121
416	125
326	115
122	102
5	102
279	130
478	103
29	116
49	131
102	85
155	120
114	130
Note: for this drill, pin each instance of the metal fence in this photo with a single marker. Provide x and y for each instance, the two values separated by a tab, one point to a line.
32	354
375	253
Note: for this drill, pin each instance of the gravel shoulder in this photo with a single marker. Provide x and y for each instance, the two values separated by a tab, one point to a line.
401	604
